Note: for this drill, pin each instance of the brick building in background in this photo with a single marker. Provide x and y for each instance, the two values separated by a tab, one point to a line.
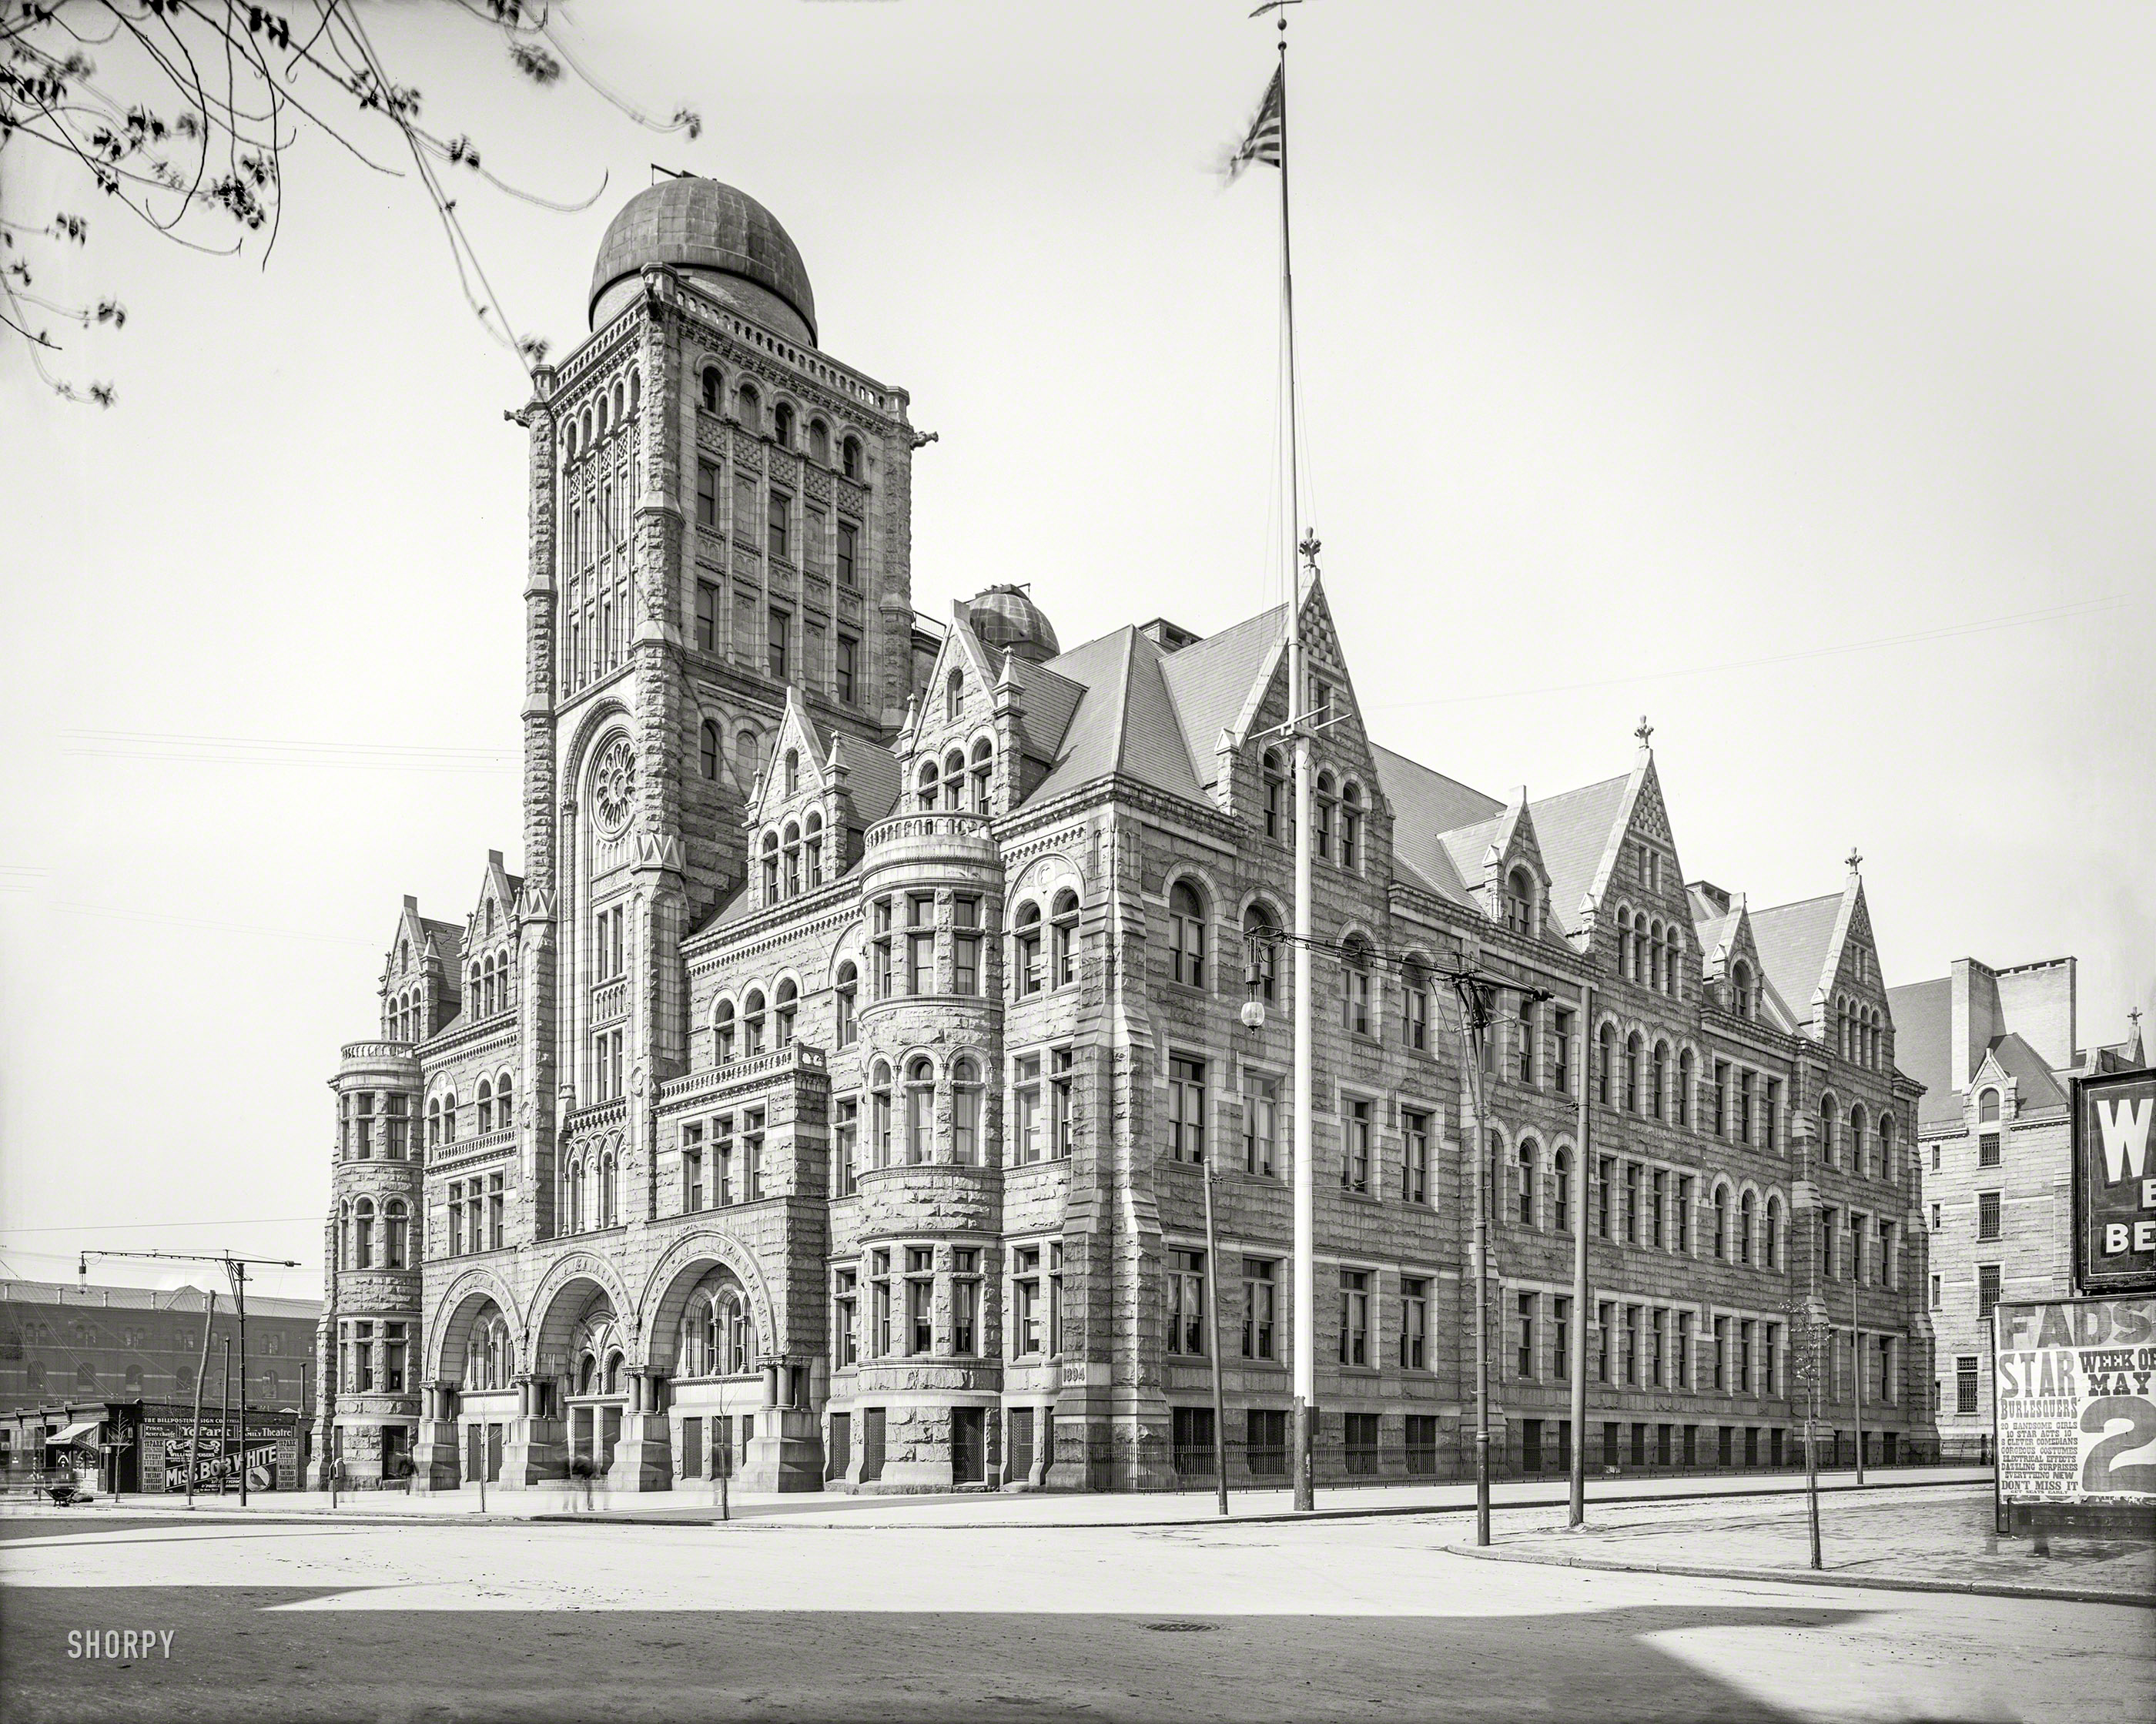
828	1100
1997	1052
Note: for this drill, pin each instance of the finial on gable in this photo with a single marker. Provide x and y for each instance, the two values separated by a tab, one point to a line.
1855	860
1645	733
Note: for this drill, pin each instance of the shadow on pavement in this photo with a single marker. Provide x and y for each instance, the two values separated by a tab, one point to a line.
235	1656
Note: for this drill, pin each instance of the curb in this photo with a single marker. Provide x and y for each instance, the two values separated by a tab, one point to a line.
1805	1577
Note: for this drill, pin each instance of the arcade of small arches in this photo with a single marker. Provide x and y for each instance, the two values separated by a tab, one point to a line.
791	855
903	1111
369	1236
1336	812
1860	1034
589	1198
783	425
1871	1147
959	782
489	982
1651	952
759	1022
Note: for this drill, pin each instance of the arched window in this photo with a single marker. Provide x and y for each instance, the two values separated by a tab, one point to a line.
1830	1136
747	753
954	780
792	772
1987	1108
1770	1241
748	406
344	1236
1320	818
812	849
1635	1060
1561	1191
1722	1223
394	1221
1684	1087
575	1177
770	861
1526	1192
434	1120
849	457
781	425
607	1192
954	694
613	1364
707	749
737	1336
709	389
880	1111
1355	1015
485	1107
1858	1143
791	849
927	785
1520	901
502	1118
1658	1093
1605	1066
696	1346
1261	950
785	1004
848	993
1278	812
1064	917
722	1032
1414	1007
1740	989
1027	974
920	1109
449	1117
1744	1219
362	1234
1186	935
753	1024
820	441
1351	826
1888	1169
983	769
1654	955
1624	940
966	1113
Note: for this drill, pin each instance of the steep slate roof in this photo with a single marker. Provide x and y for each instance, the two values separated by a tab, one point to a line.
1210	681
1046	701
1426	805
1923	1041
1126	721
2036	1086
871	779
1576	828
1793	941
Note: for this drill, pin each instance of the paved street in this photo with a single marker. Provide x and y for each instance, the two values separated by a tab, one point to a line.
277	1619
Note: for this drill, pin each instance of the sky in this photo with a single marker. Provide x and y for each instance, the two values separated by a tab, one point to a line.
1782	374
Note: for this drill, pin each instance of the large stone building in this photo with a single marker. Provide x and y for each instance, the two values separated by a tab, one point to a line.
1997	1052
827	1100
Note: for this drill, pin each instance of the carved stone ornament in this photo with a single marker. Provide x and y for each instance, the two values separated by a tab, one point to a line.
613	786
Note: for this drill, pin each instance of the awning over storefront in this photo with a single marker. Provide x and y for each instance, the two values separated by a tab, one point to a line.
73	1434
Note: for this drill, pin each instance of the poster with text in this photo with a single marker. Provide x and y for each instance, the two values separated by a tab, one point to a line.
2075	1387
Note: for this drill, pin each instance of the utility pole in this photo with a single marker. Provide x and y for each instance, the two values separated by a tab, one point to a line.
1577	1364
194	1436
223	1414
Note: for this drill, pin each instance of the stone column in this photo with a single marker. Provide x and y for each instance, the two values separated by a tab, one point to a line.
643	1457
437	1460
532	1451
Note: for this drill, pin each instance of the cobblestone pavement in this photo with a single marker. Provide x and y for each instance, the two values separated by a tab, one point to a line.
1940	1537
1352	1619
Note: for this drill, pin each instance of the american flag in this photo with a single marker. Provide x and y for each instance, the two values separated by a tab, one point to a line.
1262	143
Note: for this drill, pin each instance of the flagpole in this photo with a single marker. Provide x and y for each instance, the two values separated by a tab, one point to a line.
1305	1191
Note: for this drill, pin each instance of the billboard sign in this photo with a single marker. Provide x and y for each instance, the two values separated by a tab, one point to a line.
2115	1182
2075	1389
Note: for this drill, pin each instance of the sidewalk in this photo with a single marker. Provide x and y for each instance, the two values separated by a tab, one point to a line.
1930	1540
987	1508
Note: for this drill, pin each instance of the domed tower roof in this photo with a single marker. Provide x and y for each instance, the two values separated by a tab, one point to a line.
706	229
1007	620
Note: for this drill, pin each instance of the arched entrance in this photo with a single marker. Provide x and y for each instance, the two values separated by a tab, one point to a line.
581	1352
707	1355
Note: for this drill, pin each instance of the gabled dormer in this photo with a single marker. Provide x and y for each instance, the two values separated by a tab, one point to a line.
488	963
1500	863
794	808
421	977
1850	1014
1729	965
947	750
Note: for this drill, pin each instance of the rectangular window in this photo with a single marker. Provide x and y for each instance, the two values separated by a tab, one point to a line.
1770	1358
849	546
844	1343
1186	1108
1186	1303
1987	1150
722	1158
707	495
1414	1155
745	510
879	1291
1987	1290
1632	1171
752	1155
1360	1430
1745	1082
496	1204
778	636
1935	1292
846	1146
1414	1323
1561	1334
1987	1215
1771	1114
1525	1335
692	1168
1025	1301
844	671
1604	1318
777	514
1524	1041
1560	1048
1683	1241
1965	1383
456	1216
708	617
1261	1123
1061	1114
1191	1441
965	1302
1722	1355
1422	1444
363	1342
1719	1124
1265	1442
1601	1199
919	1300
815	534
1260	1308
1355	1164
1745	1329
1026	1098
1354	1317
1659	1196
1628	1363
1658	1348
965	946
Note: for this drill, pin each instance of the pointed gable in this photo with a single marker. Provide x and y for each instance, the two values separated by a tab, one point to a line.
1214	684
1581	831
1125	722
